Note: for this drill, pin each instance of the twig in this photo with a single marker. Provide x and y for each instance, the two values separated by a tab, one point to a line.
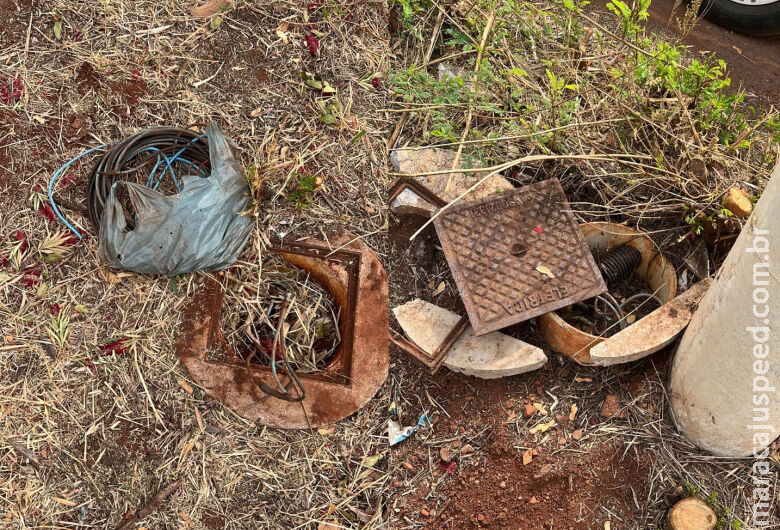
488	26
150	506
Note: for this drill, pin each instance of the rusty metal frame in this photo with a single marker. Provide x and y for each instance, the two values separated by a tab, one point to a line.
409	183
358	282
432	360
351	260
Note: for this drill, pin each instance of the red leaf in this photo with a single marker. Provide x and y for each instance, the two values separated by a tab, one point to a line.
538	230
375	82
312	43
114	348
448	467
11	90
48	212
54	309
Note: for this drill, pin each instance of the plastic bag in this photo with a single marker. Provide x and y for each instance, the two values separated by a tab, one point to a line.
199	228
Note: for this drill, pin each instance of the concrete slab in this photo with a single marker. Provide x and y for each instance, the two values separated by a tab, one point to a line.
488	356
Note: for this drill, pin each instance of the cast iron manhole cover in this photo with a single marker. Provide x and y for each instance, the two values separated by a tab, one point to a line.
517	255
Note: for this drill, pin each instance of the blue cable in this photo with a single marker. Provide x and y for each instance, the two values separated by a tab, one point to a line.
51	184
168	168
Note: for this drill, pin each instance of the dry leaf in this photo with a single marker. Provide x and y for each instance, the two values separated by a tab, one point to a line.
324	431
199	419
583	379
540	408
283	36
528	455
108	277
55	244
439	289
212	7
184	517
546	271
573	412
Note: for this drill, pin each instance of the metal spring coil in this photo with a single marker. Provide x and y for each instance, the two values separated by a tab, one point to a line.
619	263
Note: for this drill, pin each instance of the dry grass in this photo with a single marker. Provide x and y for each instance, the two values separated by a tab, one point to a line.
112	425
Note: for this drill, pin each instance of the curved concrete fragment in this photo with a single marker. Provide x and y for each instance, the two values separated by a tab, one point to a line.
653	332
487	356
358	282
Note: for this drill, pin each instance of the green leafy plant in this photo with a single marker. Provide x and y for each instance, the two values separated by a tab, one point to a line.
630	17
303	194
59	329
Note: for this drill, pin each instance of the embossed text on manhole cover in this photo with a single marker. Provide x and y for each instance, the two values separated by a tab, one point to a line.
517	255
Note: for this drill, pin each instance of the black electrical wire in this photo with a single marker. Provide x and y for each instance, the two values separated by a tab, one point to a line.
141	153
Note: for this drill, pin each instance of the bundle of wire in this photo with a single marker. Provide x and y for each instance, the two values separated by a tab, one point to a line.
152	153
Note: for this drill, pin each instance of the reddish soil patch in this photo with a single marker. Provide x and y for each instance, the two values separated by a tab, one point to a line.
87	77
568	484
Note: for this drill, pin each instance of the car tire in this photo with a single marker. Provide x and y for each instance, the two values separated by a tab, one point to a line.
761	18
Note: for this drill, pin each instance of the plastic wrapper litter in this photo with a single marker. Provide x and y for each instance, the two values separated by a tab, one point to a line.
199	228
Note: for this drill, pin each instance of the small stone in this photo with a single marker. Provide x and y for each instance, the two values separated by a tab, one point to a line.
577	435
545	470
425	512
737	202
611	406
533	500
467	449
408	466
562	419
528	410
502	485
480	518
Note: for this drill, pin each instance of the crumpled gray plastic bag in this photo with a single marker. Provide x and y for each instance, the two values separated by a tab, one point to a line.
199	228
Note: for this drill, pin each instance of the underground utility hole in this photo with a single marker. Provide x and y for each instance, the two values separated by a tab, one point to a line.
255	299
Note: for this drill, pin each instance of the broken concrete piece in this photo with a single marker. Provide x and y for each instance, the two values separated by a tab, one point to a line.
488	356
655	269
408	202
651	333
738	202
421	160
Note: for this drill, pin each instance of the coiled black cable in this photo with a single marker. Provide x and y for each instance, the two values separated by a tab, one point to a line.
144	153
